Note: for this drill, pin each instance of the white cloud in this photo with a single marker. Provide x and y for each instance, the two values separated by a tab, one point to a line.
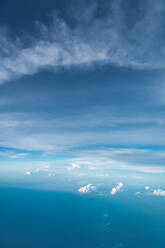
117	188
73	166
53	135
28	173
158	192
45	165
87	188
149	169
19	155
114	191
147	188
101	42
13	155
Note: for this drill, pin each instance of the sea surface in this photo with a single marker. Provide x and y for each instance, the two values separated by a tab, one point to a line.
47	219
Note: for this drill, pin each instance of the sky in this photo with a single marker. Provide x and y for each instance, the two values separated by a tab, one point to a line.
82	95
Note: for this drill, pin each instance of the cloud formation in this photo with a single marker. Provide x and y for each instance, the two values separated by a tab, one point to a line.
158	192
28	173
13	155
112	38
117	188
147	188
73	166
86	189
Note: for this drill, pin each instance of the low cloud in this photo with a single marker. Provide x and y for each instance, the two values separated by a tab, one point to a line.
88	188
158	192
28	173
73	166
117	188
147	188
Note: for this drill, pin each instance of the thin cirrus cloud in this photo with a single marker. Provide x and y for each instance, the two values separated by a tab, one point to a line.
105	40
13	155
56	134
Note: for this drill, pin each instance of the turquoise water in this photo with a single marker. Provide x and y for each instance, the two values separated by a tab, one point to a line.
43	219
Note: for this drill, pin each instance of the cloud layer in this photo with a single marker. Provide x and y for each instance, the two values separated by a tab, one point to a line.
89	114
112	37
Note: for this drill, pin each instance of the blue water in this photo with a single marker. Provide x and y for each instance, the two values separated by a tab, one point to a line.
42	219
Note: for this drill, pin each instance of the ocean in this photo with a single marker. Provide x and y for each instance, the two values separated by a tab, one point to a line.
48	219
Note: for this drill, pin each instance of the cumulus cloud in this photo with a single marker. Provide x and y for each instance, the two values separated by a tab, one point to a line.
158	192
73	166
117	188
93	40
147	188
87	188
28	173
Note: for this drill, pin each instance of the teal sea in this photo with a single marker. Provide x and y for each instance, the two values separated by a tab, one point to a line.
43	219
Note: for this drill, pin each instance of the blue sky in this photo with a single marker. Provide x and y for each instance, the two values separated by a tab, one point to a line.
82	92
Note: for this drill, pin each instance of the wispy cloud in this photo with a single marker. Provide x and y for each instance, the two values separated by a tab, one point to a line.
54	133
13	155
122	159
113	39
